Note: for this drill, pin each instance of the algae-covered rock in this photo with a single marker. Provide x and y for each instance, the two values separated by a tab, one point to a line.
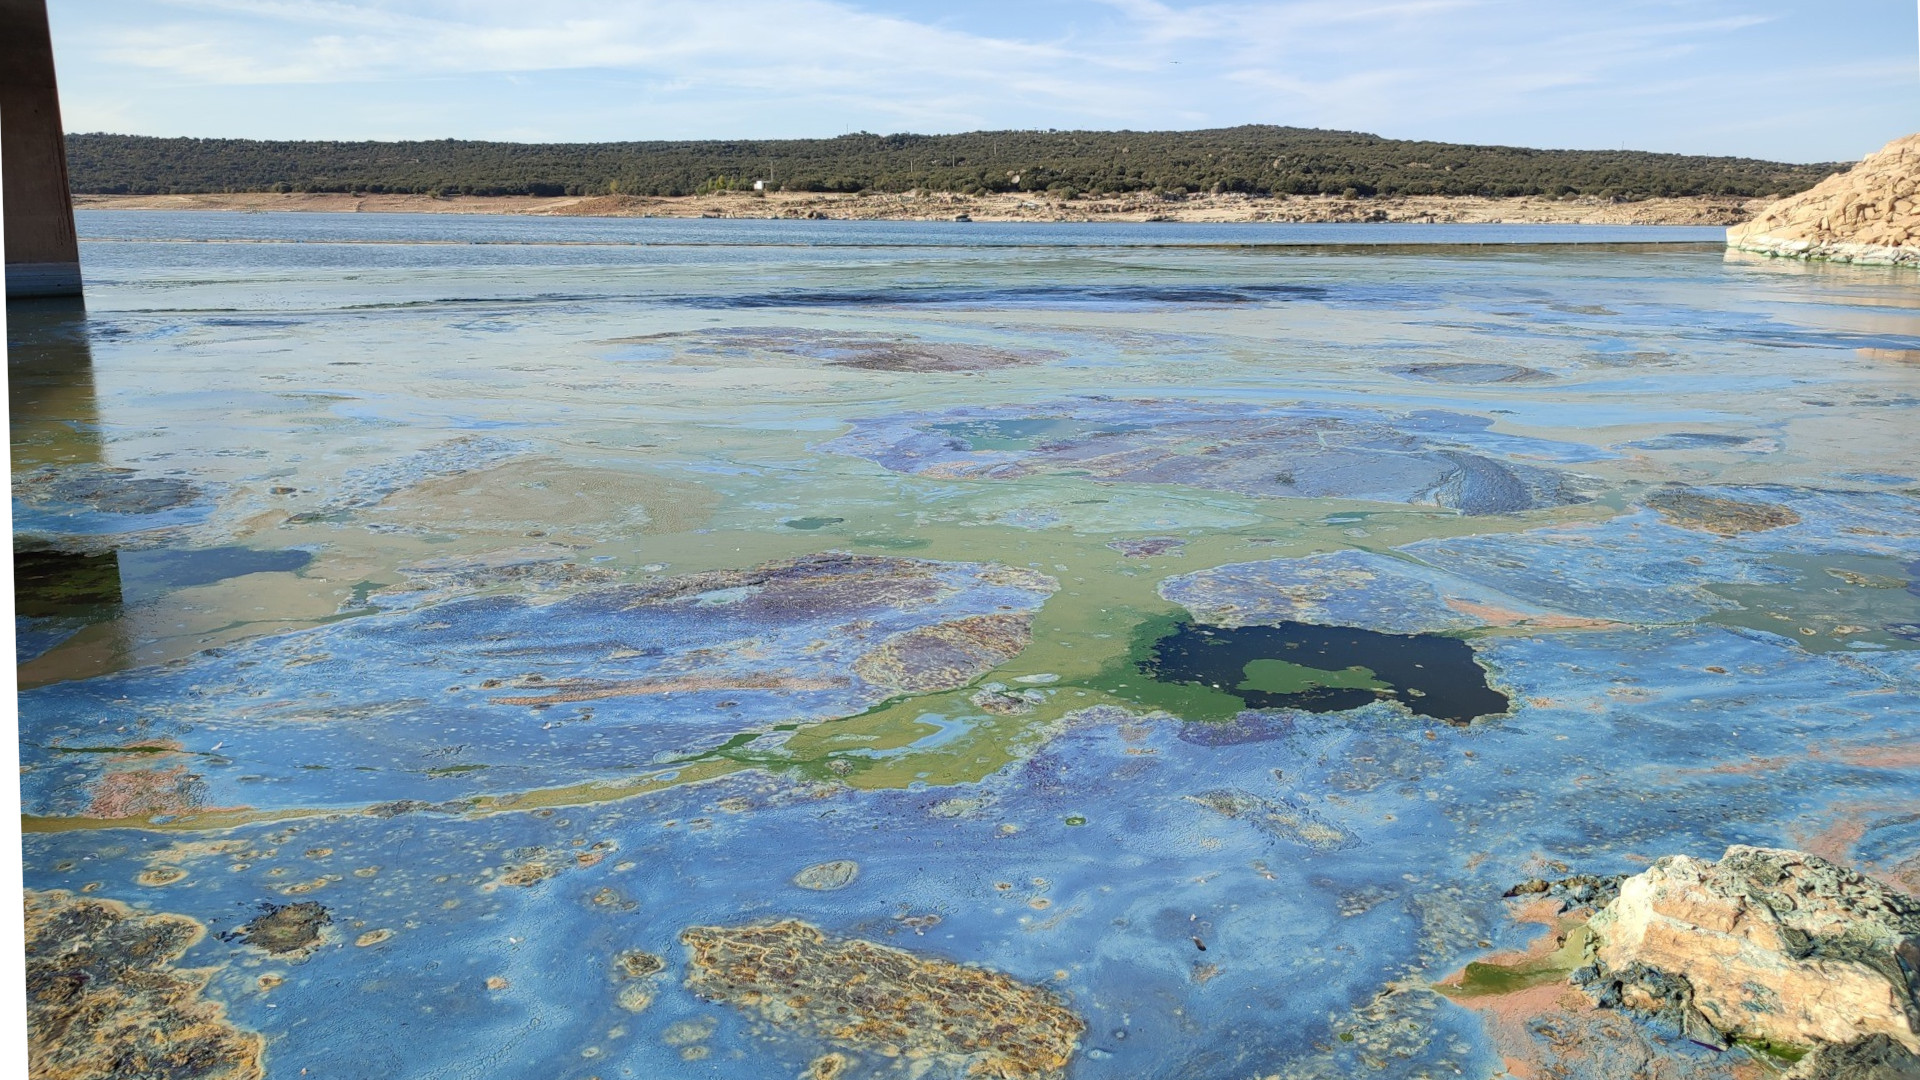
104	999
881	999
1766	944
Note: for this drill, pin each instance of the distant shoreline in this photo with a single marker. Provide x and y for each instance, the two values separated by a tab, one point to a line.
913	206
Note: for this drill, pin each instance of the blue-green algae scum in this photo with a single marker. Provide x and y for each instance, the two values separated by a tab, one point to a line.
558	649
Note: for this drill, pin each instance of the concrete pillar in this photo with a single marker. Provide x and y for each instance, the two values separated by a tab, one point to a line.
43	254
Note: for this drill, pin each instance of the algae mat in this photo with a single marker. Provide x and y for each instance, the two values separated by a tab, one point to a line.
685	649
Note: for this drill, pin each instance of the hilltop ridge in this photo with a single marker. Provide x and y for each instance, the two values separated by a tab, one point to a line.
1254	160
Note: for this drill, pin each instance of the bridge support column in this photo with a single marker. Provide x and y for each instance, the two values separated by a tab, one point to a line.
43	253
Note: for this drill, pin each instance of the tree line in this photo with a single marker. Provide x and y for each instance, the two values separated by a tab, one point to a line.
1256	160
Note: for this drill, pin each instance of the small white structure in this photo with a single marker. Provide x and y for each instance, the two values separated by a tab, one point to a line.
759	185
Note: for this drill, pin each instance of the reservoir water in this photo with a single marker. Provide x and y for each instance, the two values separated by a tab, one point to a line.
570	647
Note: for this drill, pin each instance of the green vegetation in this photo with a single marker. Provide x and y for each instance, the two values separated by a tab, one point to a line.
1779	1052
1254	159
1285	677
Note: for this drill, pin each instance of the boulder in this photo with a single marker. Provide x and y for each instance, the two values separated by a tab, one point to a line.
1766	945
1869	214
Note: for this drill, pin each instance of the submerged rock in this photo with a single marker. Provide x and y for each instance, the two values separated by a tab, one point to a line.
881	999
1282	819
148	792
947	655
1147	547
997	699
828	876
1715	514
1865	215
287	930
104	490
531	568
1468	373
104	999
1767	945
866	352
543	691
1355	588
87	507
1306	451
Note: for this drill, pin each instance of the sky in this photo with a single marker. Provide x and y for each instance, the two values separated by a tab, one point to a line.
1790	80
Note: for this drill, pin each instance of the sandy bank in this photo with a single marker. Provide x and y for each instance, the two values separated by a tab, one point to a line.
914	206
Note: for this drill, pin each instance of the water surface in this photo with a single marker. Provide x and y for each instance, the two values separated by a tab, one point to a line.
1206	624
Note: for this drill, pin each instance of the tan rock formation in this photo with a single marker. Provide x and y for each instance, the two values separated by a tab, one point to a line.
1870	214
1771	945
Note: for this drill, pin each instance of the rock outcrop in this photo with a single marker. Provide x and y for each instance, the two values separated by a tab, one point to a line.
1766	945
1869	214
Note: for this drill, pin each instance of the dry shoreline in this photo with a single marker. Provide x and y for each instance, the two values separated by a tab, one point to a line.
916	206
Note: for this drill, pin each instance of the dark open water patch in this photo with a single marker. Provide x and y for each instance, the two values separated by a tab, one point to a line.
1327	668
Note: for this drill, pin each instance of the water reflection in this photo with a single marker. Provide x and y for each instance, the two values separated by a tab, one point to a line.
54	412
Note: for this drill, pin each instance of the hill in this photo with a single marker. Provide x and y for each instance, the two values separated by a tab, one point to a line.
1258	160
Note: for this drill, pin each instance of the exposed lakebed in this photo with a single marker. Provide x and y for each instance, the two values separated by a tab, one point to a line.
1109	659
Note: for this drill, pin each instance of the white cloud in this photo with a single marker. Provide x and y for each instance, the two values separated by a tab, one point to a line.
1546	72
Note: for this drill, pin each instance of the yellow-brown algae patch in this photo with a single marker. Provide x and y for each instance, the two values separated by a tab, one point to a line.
301	888
525	875
948	655
103	999
497	982
1723	517
688	1032
373	937
827	1067
156	876
1499	616
880	998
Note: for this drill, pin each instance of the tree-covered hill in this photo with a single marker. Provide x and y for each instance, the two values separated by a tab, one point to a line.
1253	159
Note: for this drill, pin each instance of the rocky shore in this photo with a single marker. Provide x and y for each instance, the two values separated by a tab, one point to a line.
1869	214
1806	965
941	206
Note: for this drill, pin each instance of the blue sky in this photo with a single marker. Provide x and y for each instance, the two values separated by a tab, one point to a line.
1786	79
